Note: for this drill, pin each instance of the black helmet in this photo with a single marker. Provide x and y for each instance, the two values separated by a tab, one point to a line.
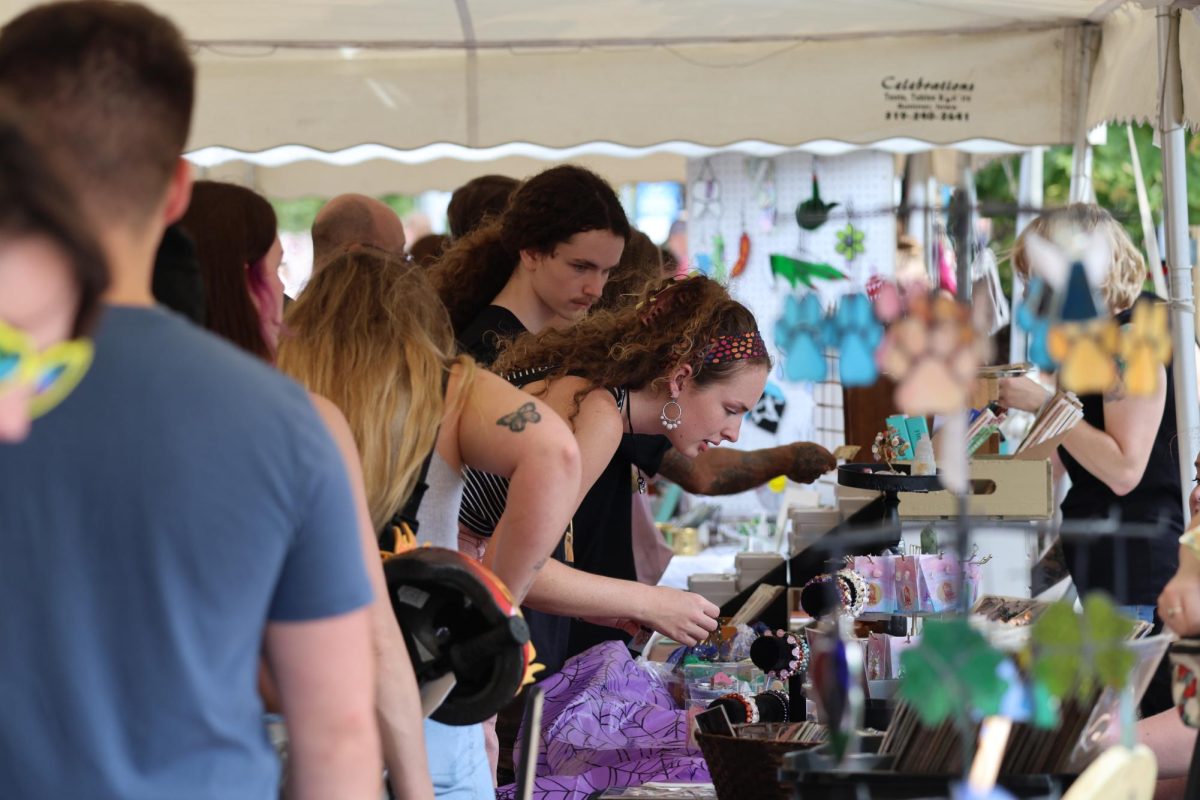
458	618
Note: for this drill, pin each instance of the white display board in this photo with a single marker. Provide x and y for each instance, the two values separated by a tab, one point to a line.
863	185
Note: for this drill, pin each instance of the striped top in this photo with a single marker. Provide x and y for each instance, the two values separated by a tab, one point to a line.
485	495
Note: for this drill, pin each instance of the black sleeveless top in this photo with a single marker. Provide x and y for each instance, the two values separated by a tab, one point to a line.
1157	499
603	524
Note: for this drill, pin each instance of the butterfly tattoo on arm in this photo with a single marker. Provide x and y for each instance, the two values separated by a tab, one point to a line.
525	415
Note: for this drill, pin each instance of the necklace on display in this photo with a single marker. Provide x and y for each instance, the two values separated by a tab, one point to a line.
641	479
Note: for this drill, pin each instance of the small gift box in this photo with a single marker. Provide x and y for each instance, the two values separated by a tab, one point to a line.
880	576
941	575
908	585
879	657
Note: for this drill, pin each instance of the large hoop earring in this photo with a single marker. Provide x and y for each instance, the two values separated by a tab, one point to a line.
667	421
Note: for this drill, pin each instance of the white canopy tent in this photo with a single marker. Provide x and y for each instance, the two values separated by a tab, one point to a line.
406	74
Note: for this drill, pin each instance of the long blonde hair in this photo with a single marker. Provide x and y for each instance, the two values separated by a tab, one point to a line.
369	333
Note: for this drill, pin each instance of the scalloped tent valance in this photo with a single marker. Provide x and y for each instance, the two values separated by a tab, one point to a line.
481	73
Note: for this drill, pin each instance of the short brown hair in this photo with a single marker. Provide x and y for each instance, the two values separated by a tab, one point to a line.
34	203
1126	274
109	88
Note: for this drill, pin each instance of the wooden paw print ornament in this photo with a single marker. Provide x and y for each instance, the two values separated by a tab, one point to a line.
1145	347
933	354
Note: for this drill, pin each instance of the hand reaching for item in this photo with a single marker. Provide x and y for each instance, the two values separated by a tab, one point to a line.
1022	393
1179	603
683	616
809	462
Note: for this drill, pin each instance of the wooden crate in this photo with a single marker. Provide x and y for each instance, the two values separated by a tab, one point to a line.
1001	488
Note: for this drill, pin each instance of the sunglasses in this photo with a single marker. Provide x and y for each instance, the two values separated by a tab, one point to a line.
54	372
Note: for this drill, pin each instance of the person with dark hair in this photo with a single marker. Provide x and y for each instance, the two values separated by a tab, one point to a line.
186	505
52	274
238	247
478	201
427	250
177	283
640	264
544	261
351	220
688	363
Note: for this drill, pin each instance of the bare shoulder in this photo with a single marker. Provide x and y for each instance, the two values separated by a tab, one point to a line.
332	416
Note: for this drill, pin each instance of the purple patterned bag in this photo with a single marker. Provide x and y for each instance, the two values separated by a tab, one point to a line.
608	721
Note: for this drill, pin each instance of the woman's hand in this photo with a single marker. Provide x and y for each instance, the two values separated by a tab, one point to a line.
685	617
1022	393
1179	603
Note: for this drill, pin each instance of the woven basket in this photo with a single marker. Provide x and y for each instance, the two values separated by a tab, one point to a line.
743	768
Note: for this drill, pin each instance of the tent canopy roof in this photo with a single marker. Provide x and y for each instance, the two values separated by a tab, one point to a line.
406	74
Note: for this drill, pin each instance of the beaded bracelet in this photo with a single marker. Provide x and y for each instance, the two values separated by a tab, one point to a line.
829	580
800	653
750	709
859	589
784	701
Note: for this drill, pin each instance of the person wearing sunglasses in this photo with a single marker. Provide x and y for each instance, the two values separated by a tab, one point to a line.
51	276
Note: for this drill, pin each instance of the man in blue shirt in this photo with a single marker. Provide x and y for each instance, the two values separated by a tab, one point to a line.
184	512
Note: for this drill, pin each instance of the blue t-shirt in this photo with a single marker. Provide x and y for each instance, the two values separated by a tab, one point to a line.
180	498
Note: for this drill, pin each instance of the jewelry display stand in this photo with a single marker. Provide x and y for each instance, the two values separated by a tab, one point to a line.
882	478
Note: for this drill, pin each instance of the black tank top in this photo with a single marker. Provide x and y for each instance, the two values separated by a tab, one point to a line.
1156	499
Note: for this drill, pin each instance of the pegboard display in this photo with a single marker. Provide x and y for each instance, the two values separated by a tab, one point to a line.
729	194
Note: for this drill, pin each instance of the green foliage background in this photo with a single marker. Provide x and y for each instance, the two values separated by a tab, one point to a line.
1112	175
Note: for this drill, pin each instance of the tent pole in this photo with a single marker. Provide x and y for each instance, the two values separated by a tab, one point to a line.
962	225
1030	195
1175	209
1081	190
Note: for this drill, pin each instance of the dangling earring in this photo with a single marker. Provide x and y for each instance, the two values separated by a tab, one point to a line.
668	422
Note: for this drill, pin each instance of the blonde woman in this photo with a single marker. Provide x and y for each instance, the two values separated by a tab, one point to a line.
1122	455
370	334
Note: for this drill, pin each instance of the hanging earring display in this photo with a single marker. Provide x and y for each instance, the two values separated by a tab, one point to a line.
706	193
761	172
671	422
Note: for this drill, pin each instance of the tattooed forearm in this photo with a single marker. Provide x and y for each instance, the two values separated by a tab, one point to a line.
731	471
746	470
724	471
516	421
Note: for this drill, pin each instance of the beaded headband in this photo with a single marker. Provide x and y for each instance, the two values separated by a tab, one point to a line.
735	347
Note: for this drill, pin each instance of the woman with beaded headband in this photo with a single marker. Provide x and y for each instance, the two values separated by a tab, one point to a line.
686	362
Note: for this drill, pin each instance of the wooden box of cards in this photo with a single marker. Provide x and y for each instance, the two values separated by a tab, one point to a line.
1001	488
